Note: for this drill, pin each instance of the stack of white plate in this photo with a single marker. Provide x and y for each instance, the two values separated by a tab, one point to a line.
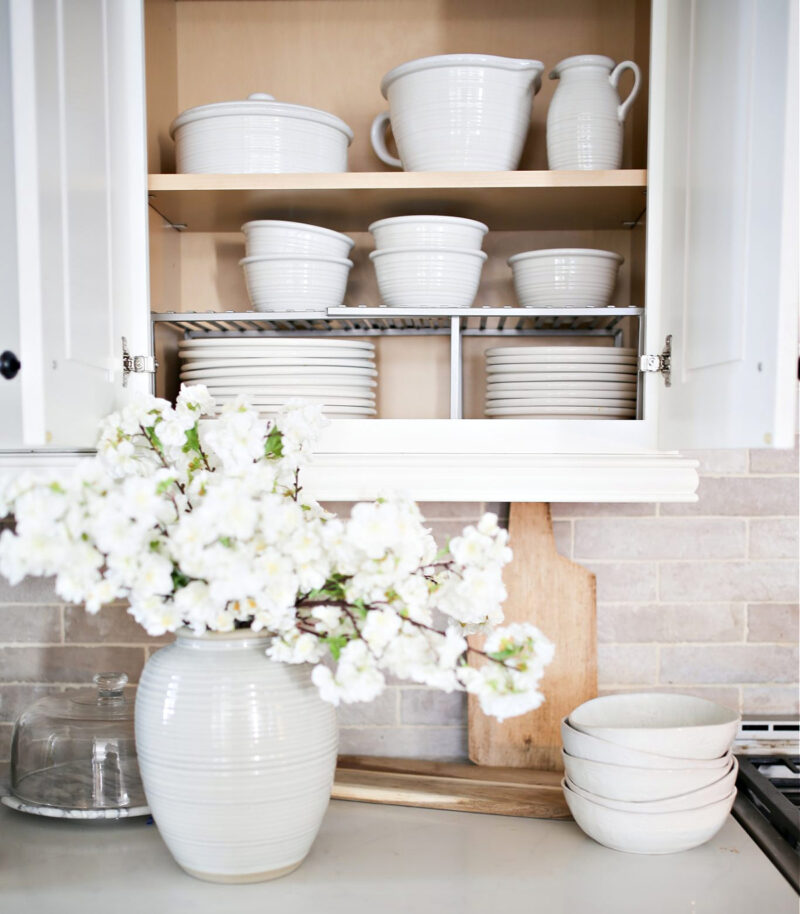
339	374
561	382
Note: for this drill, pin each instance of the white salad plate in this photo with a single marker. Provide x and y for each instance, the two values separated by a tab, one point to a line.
226	387
534	377
555	400
249	342
620	392
265	365
278	400
566	411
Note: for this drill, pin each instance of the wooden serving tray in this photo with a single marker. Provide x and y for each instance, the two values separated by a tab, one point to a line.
450	785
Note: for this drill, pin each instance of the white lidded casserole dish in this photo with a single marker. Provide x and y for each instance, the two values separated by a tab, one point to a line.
259	136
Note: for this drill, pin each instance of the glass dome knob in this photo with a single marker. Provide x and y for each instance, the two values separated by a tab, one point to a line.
110	685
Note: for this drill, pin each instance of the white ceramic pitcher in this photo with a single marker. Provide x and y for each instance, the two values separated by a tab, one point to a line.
585	118
457	112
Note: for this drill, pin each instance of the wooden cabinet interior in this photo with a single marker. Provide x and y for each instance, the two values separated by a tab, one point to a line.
332	55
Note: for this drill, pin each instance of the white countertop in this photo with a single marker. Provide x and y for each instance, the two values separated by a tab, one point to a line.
388	860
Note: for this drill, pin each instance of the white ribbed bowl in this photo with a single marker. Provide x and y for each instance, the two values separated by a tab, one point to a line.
459	112
417	278
648	832
633	784
683	726
259	136
428	232
582	745
296	282
565	277
692	799
266	237
237	755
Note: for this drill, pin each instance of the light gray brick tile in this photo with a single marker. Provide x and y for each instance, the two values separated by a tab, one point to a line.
30	622
773	538
562	534
619	582
435	743
762	582
729	663
724	695
602	509
30	590
380	712
774	460
468	511
660	538
444	530
113	624
500	508
747	496
627	664
430	706
66	663
15	698
670	622
773	622
721	462
770	699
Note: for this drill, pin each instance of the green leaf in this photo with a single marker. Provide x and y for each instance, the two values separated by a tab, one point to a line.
361	608
226	541
179	579
55	487
335	644
164	485
192	441
154	439
273	446
504	654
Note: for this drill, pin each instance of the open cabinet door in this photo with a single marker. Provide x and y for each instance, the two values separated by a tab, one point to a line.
722	220
80	186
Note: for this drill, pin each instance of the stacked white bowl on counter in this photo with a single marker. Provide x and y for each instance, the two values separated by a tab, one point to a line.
650	773
270	371
291	266
561	382
428	261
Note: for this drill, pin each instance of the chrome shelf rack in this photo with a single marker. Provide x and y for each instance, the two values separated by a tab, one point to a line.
456	323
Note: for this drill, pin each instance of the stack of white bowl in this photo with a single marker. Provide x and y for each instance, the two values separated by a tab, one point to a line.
428	261
291	266
561	382
650	773
565	277
270	371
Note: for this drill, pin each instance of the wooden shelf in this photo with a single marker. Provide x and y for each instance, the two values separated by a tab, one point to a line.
506	200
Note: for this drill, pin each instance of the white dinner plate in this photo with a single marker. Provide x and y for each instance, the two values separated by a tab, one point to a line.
250	343
267	385
548	361
324	401
506	402
284	374
355	411
511	391
218	356
561	350
265	367
587	411
531	377
310	393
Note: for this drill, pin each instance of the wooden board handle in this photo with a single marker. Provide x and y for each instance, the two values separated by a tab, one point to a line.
560	598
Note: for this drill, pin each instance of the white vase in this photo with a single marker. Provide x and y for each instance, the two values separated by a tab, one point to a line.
585	117
237	755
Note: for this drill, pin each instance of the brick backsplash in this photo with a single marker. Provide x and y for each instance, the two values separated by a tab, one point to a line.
699	598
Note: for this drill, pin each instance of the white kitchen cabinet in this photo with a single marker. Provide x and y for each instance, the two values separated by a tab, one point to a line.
715	267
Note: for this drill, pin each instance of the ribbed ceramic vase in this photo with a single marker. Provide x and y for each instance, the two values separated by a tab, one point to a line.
237	755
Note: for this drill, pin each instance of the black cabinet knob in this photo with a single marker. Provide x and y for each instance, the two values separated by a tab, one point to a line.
9	365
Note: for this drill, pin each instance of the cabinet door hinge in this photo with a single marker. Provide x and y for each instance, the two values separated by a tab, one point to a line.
660	363
139	364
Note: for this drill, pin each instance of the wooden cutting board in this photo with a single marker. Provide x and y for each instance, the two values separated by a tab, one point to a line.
559	597
450	785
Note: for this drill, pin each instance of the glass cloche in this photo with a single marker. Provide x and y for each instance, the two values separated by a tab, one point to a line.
78	751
